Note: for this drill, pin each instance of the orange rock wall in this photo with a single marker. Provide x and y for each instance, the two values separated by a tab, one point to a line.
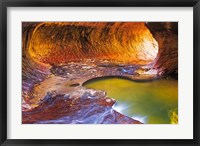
57	43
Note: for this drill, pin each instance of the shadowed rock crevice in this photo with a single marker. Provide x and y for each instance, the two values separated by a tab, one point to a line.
166	34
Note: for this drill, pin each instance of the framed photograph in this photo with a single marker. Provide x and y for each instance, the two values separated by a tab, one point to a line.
99	72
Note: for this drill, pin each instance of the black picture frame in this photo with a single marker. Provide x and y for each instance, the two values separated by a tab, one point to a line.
4	4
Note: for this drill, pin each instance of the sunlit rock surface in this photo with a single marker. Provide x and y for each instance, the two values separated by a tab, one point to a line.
56	43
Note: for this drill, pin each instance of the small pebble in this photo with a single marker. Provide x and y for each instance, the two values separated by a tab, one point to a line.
108	100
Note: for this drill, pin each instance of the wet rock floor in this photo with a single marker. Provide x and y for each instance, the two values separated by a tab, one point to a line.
60	98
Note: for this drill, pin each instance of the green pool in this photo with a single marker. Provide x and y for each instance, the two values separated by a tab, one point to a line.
152	102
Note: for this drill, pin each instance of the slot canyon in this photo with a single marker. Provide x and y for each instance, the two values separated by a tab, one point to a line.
99	72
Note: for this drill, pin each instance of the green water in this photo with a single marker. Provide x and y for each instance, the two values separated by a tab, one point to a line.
152	102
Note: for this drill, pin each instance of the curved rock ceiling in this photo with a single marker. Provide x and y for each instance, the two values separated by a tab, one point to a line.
58	43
